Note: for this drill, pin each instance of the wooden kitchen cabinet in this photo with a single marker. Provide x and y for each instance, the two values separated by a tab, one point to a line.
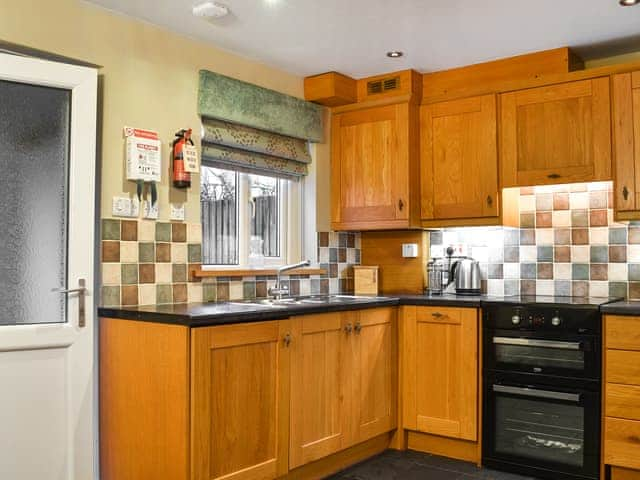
556	134
320	377
459	159
343	381
240	401
374	168
621	425
626	136
440	371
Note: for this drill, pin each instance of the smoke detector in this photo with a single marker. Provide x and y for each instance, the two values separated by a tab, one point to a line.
210	10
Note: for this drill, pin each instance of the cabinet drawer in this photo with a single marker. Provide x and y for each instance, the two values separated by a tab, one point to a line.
618	473
622	401
622	443
622	333
451	315
623	367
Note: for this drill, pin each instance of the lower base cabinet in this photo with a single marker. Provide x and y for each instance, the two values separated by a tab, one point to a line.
440	371
245	401
343	381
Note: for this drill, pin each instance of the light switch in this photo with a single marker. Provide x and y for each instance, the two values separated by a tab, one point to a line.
177	212
409	250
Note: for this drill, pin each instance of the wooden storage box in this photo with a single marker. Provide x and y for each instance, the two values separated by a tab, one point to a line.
365	280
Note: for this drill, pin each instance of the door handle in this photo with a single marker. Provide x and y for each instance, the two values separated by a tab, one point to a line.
625	192
287	340
533	392
400	204
358	327
489	200
553	176
82	293
348	328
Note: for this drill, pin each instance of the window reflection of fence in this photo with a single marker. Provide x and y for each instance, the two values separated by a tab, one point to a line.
219	232
265	224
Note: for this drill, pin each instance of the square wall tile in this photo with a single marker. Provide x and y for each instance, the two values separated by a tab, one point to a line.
146	231
598	289
194	293
129	230
147	273
544	202
209	292
580	254
129	273
129	295
598	218
179	252
110	296
527	236
545	254
618	253
562	218
194	233
599	271
146	252
544	236
527	220
545	287
163	272
128	252
562	288
111	274
194	253
562	236
164	294
580	289
163	252
580	236
599	236
163	232
562	271
110	251
180	293
528	287
179	232
618	289
618	236
561	201
179	273
543	220
634	235
634	272
146	294
599	254
579	218
618	272
634	291
580	271
633	253
110	229
545	271
562	254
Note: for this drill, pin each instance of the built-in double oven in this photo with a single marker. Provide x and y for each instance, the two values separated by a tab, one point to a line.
541	381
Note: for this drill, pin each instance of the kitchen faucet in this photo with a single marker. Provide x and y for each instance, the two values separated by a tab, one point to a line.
279	290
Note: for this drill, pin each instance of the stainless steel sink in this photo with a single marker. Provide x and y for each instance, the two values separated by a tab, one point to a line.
312	300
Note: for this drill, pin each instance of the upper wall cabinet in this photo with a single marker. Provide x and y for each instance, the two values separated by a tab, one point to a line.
556	134
626	131
459	159
374	168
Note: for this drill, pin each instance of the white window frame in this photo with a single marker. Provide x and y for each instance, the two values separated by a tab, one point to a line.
290	229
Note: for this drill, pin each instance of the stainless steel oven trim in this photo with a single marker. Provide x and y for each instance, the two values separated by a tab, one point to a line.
534	392
528	342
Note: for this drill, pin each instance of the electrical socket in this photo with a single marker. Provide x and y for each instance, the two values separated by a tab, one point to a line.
177	212
149	211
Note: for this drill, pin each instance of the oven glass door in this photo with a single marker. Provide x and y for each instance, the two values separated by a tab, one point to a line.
572	356
551	428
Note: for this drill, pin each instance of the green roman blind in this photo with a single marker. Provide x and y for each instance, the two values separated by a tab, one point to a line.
255	130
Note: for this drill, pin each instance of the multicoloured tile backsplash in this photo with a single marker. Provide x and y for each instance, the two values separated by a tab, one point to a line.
146	262
567	244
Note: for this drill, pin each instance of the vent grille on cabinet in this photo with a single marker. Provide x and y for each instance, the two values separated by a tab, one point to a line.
383	85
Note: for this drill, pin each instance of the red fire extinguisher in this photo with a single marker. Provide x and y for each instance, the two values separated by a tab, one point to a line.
181	179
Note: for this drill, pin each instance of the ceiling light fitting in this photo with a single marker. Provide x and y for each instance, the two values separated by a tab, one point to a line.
398	53
629	3
210	10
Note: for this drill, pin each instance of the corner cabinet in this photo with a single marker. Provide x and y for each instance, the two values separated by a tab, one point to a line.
440	371
374	168
626	132
459	159
556	134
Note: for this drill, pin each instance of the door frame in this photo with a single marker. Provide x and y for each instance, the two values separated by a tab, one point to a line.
82	82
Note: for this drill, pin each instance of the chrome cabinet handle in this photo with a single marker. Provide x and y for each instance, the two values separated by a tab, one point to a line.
358	327
533	392
348	328
625	192
82	293
287	340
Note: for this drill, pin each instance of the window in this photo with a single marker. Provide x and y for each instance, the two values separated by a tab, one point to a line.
245	218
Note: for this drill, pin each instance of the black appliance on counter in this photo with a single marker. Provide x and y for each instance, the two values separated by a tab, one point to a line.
541	381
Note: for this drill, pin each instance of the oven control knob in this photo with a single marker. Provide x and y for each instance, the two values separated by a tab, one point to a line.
556	321
515	319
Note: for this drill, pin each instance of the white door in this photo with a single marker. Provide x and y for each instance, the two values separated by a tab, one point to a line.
47	180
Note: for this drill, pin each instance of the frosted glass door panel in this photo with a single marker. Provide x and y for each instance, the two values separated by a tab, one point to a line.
34	153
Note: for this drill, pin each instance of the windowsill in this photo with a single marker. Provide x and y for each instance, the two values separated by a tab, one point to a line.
212	272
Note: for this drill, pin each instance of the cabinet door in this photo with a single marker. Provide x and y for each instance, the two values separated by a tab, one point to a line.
374	397
556	134
459	159
240	401
441	371
626	129
370	167
319	386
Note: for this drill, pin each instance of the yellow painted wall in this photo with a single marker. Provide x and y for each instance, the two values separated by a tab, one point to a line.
149	77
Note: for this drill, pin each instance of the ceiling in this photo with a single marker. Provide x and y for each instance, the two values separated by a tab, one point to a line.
306	37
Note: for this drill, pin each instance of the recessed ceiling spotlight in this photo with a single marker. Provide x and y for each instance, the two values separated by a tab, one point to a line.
210	10
398	53
629	3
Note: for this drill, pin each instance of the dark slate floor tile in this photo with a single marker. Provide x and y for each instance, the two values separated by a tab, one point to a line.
410	465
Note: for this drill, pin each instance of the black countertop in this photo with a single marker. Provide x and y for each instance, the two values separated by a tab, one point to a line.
203	314
623	307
